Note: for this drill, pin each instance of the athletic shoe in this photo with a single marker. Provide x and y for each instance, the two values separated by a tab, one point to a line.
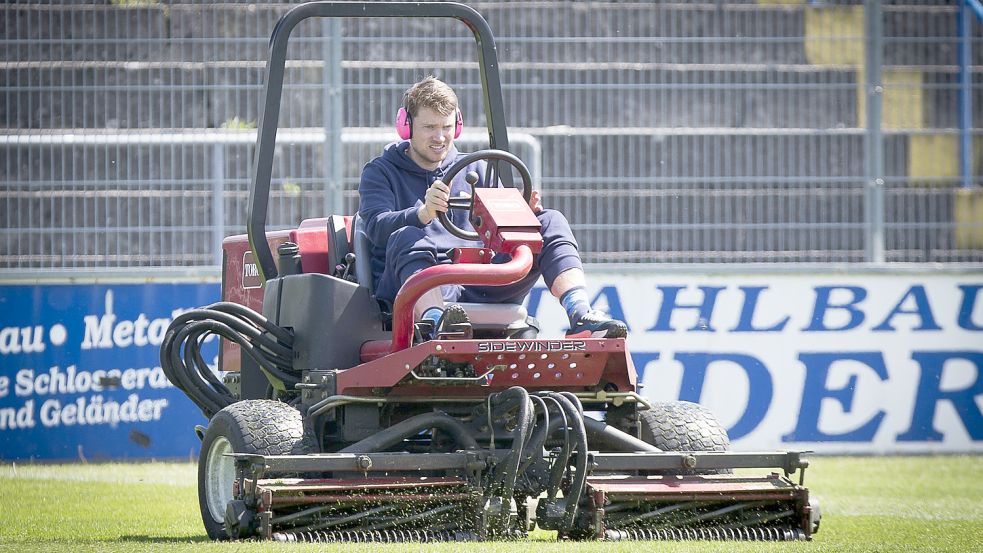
595	324
454	322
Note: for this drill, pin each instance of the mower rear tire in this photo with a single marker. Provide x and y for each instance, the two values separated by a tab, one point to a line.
681	426
261	427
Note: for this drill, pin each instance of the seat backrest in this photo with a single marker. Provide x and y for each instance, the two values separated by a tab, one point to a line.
338	246
363	255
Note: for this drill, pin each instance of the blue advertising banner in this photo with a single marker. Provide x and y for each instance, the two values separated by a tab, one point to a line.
80	374
888	362
834	363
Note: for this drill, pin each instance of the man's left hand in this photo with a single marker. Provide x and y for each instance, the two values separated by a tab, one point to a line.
535	202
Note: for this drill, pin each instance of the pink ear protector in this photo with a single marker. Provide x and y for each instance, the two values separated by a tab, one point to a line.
404	124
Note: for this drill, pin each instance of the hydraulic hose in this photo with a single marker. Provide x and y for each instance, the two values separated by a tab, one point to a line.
411	427
181	360
610	436
580	478
249	331
560	463
538	436
518	395
191	379
281	334
575	400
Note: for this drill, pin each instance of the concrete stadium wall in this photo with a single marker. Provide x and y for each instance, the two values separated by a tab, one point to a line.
631	97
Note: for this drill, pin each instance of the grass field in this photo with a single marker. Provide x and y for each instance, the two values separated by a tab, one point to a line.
869	504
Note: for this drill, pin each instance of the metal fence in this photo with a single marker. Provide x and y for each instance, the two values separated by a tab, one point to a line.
692	131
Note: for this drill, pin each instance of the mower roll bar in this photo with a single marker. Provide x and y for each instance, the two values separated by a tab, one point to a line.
487	274
491	87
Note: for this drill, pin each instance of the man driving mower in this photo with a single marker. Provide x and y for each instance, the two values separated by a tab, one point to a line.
401	194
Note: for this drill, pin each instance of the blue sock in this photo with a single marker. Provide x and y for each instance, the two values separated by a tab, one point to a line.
576	303
432	314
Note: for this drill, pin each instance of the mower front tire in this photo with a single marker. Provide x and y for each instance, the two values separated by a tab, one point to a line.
261	427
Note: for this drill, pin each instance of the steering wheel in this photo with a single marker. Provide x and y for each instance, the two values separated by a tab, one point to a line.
472	179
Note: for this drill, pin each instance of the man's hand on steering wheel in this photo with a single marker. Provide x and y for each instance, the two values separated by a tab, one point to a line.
466	203
434	202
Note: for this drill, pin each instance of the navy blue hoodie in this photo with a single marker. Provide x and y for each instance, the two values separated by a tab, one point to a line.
391	192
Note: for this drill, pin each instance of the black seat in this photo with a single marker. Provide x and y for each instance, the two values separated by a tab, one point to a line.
363	255
338	244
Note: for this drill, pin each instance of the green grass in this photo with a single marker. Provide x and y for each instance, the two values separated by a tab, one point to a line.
894	504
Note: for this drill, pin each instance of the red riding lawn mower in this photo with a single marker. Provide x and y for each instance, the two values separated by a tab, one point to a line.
331	423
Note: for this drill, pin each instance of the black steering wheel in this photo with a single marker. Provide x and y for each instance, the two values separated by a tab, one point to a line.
472	179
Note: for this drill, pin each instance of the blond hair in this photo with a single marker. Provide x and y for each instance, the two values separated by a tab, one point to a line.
431	93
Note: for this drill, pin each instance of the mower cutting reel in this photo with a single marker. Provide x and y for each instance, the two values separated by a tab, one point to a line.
468	491
334	421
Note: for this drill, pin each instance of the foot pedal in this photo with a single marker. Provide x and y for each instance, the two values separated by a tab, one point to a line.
456	331
454	324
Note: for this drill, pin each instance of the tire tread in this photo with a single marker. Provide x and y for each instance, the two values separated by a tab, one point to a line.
260	427
679	426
